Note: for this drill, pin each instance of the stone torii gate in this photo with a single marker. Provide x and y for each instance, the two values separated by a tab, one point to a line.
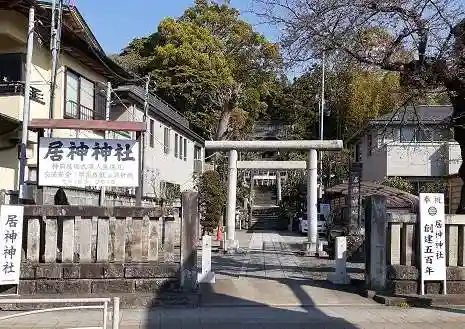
311	146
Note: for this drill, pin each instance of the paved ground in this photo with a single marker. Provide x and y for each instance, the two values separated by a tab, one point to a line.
334	317
287	291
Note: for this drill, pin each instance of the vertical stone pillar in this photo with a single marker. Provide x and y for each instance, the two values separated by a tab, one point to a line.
312	201
340	276
375	242
231	203
189	239
278	188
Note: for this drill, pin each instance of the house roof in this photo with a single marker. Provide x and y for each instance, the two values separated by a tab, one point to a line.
425	114
77	39
160	109
395	198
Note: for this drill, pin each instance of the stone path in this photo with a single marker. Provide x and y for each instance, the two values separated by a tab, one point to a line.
334	317
275	256
286	290
272	273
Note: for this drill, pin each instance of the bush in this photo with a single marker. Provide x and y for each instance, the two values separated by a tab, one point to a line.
212	199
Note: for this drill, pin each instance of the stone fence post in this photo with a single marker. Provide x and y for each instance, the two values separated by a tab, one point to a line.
375	242
190	222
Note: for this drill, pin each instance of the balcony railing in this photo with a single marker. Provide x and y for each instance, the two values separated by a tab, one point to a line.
17	89
198	166
74	110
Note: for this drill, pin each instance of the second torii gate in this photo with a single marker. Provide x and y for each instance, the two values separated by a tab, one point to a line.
311	146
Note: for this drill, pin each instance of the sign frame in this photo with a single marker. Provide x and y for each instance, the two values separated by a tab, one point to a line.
432	223
115	145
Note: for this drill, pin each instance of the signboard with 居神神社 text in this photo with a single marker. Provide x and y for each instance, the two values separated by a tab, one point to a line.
88	162
432	238
11	234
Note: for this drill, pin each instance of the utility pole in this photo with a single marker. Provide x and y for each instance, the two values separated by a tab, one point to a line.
57	14
107	118
26	105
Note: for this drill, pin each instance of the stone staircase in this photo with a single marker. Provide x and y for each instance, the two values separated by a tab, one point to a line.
265	196
265	213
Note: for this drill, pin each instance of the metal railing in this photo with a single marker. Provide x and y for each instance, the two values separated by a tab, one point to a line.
77	111
17	88
102	303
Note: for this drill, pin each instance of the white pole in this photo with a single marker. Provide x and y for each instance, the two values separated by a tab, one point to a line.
322	115
312	199
231	210
115	322
278	187
26	104
107	118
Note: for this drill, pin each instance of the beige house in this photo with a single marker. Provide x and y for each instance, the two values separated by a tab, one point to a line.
83	73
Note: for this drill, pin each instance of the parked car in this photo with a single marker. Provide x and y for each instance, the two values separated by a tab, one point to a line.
321	225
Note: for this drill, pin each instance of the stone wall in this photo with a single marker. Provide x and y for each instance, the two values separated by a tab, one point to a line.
405	280
96	278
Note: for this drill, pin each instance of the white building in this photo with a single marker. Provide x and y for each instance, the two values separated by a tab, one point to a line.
415	143
173	152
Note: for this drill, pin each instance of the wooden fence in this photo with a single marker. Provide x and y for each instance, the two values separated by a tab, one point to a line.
403	245
89	234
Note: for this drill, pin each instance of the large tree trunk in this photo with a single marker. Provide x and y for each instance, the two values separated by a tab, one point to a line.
223	123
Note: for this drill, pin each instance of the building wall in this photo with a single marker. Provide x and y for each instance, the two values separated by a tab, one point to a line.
389	157
160	166
68	62
13	39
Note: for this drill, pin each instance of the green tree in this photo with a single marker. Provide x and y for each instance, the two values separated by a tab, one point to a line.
399	183
432	31
212	199
212	65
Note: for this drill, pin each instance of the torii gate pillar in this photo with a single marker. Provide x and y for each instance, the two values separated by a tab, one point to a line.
231	203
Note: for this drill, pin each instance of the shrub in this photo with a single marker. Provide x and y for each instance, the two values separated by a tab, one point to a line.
212	199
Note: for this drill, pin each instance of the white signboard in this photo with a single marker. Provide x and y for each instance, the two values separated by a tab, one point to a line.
432	238
11	234
88	162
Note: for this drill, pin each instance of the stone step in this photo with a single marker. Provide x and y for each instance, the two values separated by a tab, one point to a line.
127	300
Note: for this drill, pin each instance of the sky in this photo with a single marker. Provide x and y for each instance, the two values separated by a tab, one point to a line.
116	22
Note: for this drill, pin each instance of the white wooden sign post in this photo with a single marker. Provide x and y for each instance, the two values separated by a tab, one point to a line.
11	238
432	239
206	276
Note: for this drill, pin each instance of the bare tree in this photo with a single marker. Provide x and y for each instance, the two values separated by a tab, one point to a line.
423	40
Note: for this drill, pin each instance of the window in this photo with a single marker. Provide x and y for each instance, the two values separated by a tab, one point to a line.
176	145
357	153
180	147
11	67
152	133
197	153
82	100
369	145
407	134
185	149
166	140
